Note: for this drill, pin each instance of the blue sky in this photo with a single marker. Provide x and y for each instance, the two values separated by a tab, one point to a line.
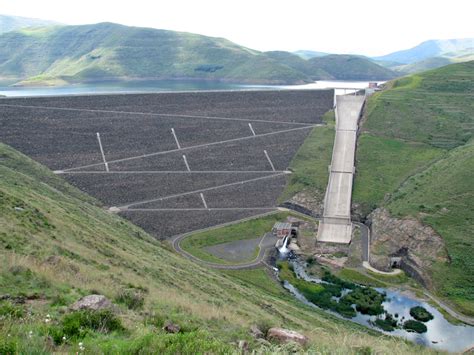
370	27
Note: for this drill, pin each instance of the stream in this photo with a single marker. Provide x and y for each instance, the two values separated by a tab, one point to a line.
440	333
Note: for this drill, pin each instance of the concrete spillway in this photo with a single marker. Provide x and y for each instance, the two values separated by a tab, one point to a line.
336	226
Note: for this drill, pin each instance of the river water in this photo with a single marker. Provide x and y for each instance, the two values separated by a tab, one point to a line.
153	86
441	334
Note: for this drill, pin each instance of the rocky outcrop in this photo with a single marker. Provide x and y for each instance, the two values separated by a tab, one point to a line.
281	335
418	245
313	201
93	303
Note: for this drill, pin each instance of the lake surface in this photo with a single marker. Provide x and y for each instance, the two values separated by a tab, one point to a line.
165	86
441	334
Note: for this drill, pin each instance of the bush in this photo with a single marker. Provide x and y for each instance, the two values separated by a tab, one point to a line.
421	314
367	300
132	298
9	310
388	323
79	324
7	347
414	326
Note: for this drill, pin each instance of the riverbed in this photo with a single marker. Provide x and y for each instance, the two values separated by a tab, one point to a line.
440	333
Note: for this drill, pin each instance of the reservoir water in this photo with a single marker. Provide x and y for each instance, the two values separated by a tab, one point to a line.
154	86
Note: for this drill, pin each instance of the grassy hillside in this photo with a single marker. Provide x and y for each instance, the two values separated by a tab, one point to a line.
57	245
334	66
13	23
350	67
108	51
415	158
310	164
442	196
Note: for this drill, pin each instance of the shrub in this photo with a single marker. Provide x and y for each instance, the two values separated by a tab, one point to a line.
388	323
414	326
132	298
421	314
367	300
9	310
79	324
7	347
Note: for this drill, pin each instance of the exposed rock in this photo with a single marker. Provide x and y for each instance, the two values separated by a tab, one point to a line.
92	302
294	247
256	332
171	328
418	245
313	201
285	336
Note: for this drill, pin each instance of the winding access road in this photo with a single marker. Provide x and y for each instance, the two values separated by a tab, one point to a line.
260	259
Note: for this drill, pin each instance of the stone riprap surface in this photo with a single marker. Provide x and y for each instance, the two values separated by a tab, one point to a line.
148	180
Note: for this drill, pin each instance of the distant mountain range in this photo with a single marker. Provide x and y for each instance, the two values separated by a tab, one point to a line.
13	23
434	48
37	52
58	55
427	55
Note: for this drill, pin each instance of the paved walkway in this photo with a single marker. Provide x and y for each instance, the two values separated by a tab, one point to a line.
336	226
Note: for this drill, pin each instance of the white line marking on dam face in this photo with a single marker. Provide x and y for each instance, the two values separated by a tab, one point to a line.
102	152
79	172
269	160
124	207
154	114
203	200
193	147
200	209
186	162
175	138
251	128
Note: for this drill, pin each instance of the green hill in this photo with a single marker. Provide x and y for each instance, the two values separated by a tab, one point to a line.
57	244
415	157
14	23
350	67
334	66
107	51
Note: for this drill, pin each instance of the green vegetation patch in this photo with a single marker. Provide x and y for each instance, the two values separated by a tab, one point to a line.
414	326
258	278
383	164
442	196
421	314
434	107
329	295
78	325
250	229
310	164
367	300
357	277
387	323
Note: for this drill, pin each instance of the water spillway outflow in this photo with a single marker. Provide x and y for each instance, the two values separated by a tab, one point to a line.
283	250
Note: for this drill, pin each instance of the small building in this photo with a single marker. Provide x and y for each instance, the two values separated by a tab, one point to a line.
281	229
373	85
